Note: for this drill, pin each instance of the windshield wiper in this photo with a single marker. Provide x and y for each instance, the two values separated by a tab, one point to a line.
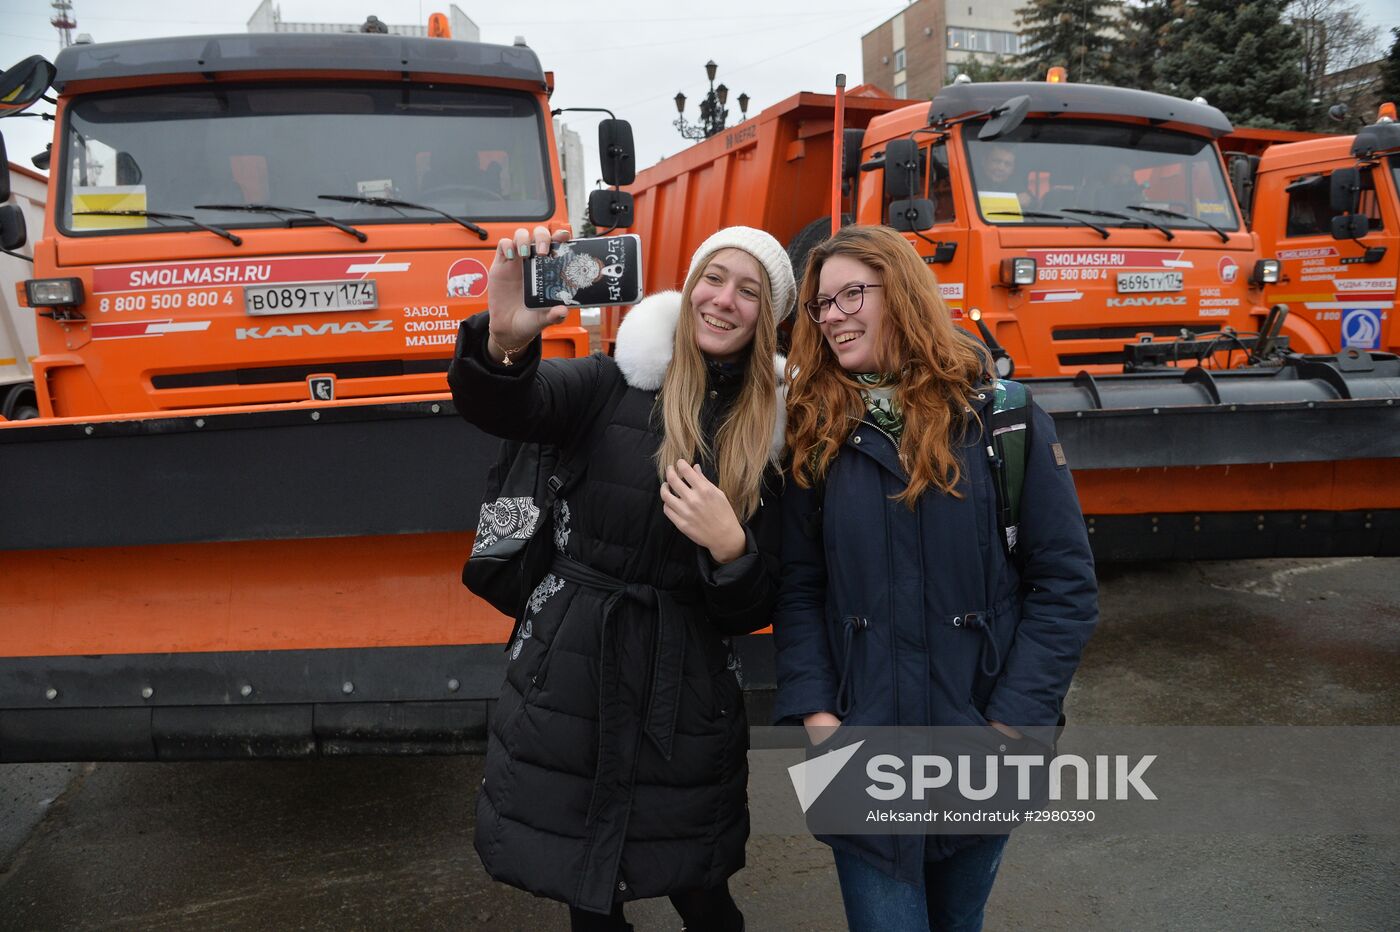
158	216
1047	215
1114	216
396	204
1224	237
298	211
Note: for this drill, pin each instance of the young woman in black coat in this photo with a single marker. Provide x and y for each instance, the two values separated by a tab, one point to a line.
891	545
616	759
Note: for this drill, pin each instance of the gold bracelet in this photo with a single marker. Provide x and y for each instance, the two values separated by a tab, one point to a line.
508	354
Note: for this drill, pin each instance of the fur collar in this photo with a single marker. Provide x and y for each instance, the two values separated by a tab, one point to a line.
644	345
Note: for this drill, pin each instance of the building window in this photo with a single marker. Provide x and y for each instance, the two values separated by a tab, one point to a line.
899	59
995	41
954	69
901	90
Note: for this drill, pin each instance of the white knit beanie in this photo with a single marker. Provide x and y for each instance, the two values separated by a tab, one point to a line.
769	253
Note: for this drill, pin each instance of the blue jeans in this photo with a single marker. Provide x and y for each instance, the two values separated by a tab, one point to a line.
954	893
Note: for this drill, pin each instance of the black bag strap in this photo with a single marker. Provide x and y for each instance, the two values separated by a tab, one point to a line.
573	462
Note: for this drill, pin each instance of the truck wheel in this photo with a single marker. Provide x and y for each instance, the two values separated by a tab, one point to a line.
817	231
22	406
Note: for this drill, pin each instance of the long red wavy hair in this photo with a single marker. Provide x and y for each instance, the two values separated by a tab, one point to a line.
938	368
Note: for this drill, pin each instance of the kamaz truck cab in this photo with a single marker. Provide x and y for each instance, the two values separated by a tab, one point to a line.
251	219
1329	211
1067	220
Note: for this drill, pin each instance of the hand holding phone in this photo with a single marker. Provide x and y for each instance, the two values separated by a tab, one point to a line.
513	325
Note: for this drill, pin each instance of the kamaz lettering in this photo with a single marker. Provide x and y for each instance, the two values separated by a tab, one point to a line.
176	276
330	328
1161	300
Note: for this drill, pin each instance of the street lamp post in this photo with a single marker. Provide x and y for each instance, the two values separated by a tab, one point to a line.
712	110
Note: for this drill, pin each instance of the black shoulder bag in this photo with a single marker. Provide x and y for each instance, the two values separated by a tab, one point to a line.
514	543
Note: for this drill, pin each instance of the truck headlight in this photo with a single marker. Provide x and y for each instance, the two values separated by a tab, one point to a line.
54	292
1017	272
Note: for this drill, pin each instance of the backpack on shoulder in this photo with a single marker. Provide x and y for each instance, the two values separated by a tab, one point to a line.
1010	426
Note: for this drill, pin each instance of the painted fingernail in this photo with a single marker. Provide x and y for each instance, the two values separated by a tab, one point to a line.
510	252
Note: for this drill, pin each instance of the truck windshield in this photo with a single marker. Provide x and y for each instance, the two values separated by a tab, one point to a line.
1057	165
472	152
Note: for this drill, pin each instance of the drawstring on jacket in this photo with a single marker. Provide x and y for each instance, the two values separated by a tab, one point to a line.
852	623
979	621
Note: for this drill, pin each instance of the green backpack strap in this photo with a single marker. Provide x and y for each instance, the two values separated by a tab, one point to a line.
1009	426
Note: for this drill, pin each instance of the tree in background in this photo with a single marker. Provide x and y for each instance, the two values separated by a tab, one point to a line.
998	68
1142	32
1073	34
1334	38
1390	70
1241	57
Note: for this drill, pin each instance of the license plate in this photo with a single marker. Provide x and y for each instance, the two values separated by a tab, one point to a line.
1129	282
310	298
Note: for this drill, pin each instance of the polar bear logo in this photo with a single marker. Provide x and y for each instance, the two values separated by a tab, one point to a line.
466	279
460	286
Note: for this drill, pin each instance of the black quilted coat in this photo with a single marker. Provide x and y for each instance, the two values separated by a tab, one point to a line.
616	759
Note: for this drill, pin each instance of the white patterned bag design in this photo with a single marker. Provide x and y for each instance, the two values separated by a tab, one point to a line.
504	519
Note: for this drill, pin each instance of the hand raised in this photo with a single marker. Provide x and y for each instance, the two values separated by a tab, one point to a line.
513	325
701	511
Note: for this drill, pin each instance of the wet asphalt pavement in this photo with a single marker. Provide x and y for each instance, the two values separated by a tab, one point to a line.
386	843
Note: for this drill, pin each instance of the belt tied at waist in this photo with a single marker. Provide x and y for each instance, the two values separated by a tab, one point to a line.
668	648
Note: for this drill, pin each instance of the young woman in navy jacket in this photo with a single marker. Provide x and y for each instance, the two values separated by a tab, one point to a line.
891	539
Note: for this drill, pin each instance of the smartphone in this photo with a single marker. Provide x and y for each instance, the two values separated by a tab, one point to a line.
591	272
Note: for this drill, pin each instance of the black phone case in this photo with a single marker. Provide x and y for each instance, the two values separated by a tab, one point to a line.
590	272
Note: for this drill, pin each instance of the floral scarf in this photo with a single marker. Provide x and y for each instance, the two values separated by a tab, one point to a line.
877	389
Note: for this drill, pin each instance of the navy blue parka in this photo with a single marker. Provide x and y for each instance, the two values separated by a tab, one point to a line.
870	618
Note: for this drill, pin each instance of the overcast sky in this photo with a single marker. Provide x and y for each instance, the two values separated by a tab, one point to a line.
627	55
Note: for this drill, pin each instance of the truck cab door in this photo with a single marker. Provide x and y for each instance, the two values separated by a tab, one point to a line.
928	219
1340	292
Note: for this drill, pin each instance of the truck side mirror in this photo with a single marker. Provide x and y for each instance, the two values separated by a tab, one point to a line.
908	216
25	83
1242	169
1007	117
610	209
1350	226
1345	194
4	173
12	229
616	152
901	168
851	141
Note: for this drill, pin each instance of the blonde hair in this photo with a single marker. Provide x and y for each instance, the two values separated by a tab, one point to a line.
939	368
742	446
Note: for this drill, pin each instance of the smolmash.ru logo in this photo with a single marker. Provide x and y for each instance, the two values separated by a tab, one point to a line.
996	787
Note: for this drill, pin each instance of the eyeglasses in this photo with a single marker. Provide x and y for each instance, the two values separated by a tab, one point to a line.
849	301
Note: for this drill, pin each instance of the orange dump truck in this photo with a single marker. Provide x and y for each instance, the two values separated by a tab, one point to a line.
1091	237
238	527
1329	211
